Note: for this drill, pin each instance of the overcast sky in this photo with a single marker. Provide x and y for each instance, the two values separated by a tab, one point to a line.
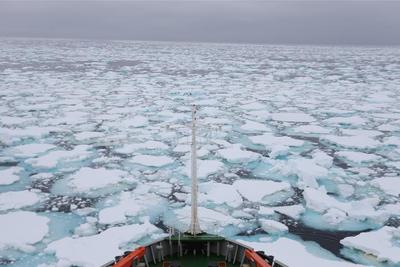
277	22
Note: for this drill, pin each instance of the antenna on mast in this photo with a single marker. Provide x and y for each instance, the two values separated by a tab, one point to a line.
194	224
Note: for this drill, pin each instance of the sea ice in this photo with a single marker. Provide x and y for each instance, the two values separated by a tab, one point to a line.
296	253
133	204
148	145
218	194
22	230
256	190
270	140
311	129
9	175
29	150
89	179
88	135
254	127
99	249
382	243
273	227
205	168
357	157
358	141
235	154
152	161
292	117
18	199
55	157
390	185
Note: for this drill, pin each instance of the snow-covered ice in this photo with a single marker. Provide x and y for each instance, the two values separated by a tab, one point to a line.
21	230
382	244
98	249
9	175
256	190
152	161
18	199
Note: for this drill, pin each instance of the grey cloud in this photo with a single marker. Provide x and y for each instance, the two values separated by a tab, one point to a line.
287	22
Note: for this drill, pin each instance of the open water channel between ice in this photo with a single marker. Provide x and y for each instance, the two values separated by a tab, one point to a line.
299	149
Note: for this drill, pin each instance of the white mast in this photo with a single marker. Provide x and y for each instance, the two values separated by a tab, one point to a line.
194	224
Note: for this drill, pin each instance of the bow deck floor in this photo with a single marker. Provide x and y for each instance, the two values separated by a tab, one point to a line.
198	261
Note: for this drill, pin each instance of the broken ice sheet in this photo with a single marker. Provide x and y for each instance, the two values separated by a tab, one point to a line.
308	132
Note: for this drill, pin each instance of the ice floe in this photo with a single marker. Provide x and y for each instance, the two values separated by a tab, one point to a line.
273	227
270	140
292	117
9	175
357	157
18	199
29	150
389	185
358	142
148	145
256	190
55	157
21	230
235	154
296	253
99	249
217	194
254	127
382	244
152	161
87	179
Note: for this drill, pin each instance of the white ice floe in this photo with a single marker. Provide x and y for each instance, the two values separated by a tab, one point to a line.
392	140
89	179
358	141
390	185
10	120
210	220
21	230
148	145
292	117
334	211
29	150
311	129
206	168
273	227
137	203
253	106
307	170
18	199
382	244
357	157
299	254
235	154
217	193
135	122
322	159
152	161
55	157
354	120
256	190
293	211
254	127
358	132
9	175
259	114
269	140
99	249
82	136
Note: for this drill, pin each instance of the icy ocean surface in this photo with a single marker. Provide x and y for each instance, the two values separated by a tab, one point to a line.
299	150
